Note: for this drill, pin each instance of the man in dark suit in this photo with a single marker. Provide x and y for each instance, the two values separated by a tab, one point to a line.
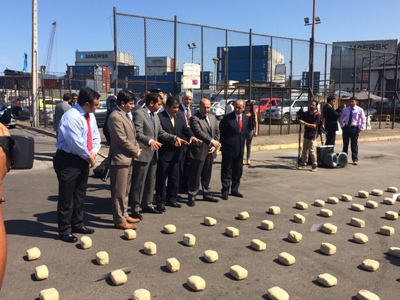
123	151
187	111
169	156
331	117
148	132
233	129
201	155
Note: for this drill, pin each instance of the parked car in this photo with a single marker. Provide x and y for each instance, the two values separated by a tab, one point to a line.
218	108
3	110
101	113
286	112
264	103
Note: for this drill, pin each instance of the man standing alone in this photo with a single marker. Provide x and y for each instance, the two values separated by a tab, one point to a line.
352	122
77	146
310	120
124	149
233	129
331	117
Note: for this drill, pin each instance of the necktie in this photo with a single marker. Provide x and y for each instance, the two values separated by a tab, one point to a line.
240	123
188	116
152	118
172	121
350	119
89	133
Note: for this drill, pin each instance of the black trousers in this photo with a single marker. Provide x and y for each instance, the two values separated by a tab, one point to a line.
184	167
167	170
330	137
350	133
72	174
231	172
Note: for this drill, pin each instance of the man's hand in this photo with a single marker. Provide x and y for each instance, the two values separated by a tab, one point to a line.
215	144
179	142
211	150
155	145
301	122
194	139
92	159
138	155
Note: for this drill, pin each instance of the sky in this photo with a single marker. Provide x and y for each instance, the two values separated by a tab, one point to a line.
87	25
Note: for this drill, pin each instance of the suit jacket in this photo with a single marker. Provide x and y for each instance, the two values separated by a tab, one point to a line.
331	117
205	132
145	131
124	146
232	139
168	151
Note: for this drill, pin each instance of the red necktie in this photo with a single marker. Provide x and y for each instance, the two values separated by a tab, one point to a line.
89	133
240	123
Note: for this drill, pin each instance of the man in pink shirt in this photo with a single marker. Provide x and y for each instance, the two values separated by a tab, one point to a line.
352	122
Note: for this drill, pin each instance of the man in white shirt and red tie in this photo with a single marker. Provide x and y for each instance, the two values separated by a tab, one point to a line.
352	122
233	129
77	146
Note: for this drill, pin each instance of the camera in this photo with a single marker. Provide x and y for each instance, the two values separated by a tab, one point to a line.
19	149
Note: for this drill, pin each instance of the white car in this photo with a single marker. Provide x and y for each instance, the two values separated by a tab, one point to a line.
218	108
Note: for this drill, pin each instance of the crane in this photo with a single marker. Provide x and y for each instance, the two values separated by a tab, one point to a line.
46	65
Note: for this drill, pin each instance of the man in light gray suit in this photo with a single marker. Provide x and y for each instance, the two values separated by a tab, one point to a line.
124	149
148	131
201	155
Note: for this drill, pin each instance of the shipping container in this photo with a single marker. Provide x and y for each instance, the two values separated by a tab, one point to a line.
159	61
128	71
243	52
242	65
244	76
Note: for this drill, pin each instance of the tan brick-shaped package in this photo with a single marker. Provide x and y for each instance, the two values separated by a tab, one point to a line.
102	258
391	189
130	234
371	204
394	251
209	221
370	265
319	203
326	213
49	294
298	218
231	231
86	242
301	205
294	236
363	194
274	210
276	293
357	207
169	228
150	248
141	294
238	272
329	228
377	192
333	200
33	253
196	283
258	245
267	225
173	265
41	272
244	215
211	256
118	277
388	201
286	258
360	238
327	248
357	222
327	279
366	295
346	198
391	215
386	230
189	239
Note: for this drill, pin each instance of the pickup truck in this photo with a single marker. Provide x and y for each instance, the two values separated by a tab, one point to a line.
285	112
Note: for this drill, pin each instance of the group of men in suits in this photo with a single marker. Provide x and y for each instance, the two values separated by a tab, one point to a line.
154	151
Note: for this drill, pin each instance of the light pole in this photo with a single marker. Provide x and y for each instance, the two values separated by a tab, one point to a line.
215	60
192	47
315	20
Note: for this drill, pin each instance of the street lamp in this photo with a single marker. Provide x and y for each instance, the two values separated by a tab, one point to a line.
315	20
192	47
215	60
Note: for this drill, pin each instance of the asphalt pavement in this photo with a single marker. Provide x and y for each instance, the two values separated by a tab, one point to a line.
271	180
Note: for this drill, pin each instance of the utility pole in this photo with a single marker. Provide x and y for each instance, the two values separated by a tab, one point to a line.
34	73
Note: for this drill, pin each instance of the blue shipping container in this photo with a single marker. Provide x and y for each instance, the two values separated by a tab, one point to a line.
242	65
243	76
243	52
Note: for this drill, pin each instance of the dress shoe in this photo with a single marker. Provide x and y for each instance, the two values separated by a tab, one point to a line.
237	194
132	220
83	230
191	202
224	195
125	225
161	208
151	210
136	215
173	204
209	198
69	238
355	163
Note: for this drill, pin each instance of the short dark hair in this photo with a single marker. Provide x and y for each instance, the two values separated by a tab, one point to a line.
330	99
67	97
125	96
172	100
74	95
87	95
315	101
353	98
152	97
